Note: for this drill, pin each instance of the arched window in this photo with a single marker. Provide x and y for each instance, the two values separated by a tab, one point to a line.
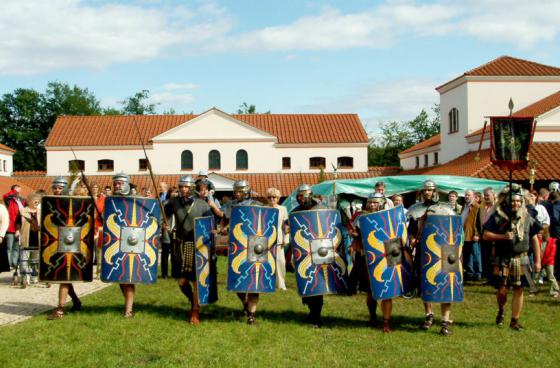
186	160
241	160
317	162
105	165
76	165
345	162
453	120
214	162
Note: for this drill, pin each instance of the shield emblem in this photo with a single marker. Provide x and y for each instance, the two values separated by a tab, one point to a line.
205	254
130	240
252	249
318	252
66	246
442	246
390	265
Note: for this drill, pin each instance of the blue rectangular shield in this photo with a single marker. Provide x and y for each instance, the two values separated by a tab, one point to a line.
252	249
442	246
318	252
205	254
130	240
390	265
66	241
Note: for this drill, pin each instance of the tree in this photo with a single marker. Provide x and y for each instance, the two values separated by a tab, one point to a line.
27	117
138	104
396	136
245	108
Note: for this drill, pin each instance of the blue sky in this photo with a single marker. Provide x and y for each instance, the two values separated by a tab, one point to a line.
380	59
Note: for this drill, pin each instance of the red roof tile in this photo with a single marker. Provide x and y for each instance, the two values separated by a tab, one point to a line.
541	106
544	153
507	66
286	183
432	141
6	185
121	130
4	147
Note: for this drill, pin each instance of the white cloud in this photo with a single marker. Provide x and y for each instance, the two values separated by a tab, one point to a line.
332	29
39	36
381	101
174	100
521	24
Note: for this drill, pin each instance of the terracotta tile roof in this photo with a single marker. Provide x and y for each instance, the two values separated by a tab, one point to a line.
507	66
4	147
535	109
121	130
6	184
544	153
432	141
286	183
510	66
541	106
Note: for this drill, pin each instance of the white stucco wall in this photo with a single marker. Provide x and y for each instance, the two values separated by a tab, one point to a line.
6	163
409	162
264	157
479	99
454	144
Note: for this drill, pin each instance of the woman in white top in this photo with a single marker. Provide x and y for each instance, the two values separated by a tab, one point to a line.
29	238
273	196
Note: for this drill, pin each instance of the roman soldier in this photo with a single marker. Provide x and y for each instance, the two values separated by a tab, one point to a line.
428	204
59	186
376	202
186	208
121	187
306	202
513	231
242	197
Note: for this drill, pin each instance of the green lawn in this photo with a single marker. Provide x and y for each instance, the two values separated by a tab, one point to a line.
159	336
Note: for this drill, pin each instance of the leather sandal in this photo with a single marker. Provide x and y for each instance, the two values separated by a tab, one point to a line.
195	317
57	313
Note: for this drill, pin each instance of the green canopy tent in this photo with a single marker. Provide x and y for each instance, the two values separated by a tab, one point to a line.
397	185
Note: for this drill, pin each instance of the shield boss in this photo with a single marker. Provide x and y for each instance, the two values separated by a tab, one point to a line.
393	251
257	248
132	240
450	258
322	251
69	238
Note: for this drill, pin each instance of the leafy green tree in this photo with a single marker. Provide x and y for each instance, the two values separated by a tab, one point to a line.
138	104
245	108
27	117
396	136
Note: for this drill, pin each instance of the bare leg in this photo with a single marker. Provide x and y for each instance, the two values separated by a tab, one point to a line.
128	291
445	319
252	301
387	309
63	294
501	298
428	317
517	302
372	308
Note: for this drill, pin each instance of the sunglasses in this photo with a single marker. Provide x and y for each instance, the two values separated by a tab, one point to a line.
271	197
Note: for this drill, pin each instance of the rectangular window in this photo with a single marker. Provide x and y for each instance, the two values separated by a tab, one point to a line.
142	164
436	158
417	162
105	165
287	164
317	162
425	160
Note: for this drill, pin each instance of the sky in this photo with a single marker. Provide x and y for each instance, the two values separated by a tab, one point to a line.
379	59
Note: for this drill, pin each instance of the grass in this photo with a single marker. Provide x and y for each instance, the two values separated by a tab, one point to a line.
158	336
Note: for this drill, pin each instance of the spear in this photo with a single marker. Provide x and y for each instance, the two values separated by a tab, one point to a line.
164	234
90	192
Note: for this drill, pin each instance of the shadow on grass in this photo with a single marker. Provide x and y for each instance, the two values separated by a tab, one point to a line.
24	309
